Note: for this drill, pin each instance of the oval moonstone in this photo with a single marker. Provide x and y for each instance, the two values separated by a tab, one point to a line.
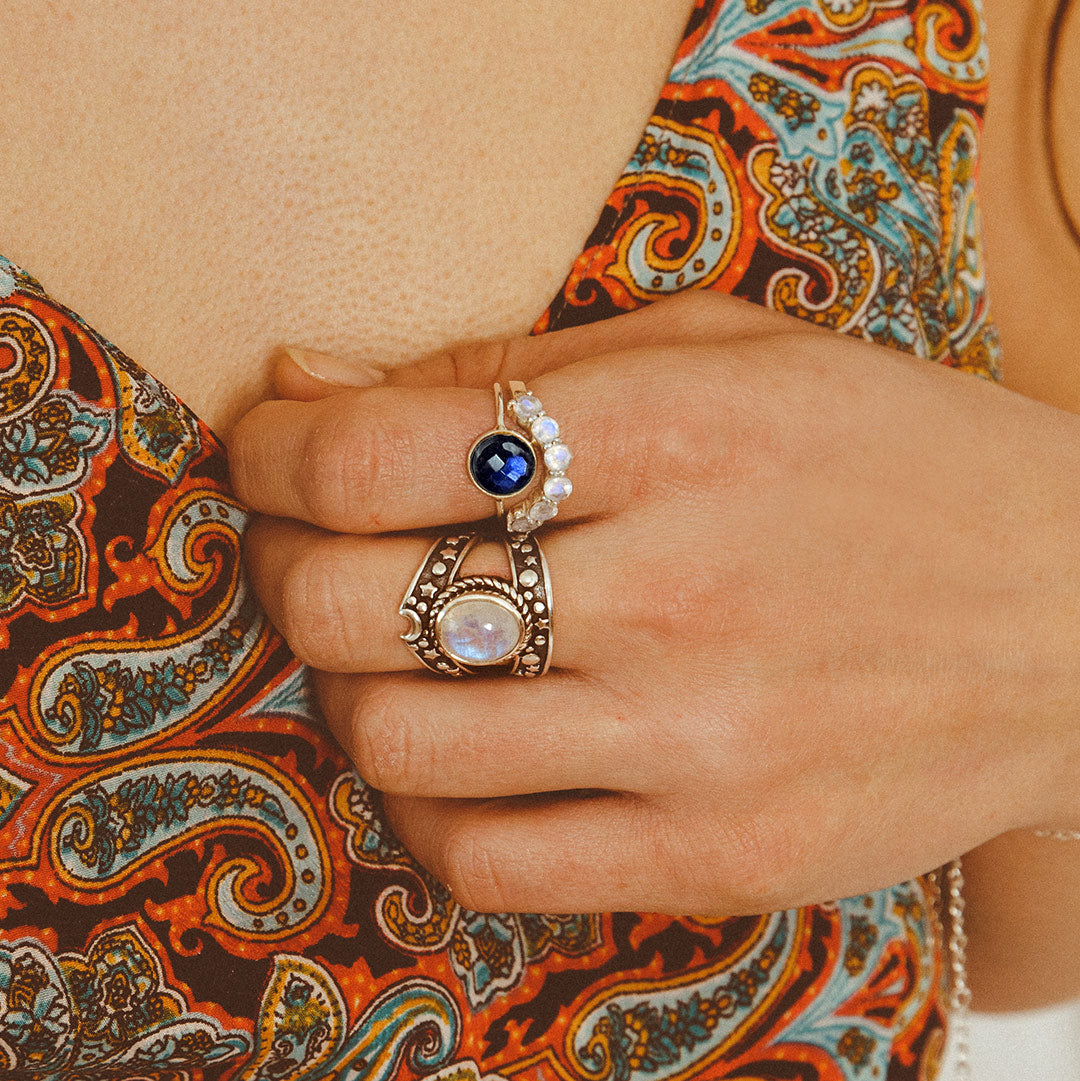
476	629
502	464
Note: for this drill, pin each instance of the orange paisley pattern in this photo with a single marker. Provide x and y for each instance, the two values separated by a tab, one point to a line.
197	884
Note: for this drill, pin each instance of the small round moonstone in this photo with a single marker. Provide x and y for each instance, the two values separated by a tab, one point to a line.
479	630
557	488
527	406
557	457
502	464
545	429
542	510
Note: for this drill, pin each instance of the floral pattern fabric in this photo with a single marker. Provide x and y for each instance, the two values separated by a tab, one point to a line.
197	885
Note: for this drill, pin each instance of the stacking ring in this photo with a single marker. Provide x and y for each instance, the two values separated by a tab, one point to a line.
463	626
504	463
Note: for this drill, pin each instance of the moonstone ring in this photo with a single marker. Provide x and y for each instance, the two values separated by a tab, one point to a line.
504	463
462	626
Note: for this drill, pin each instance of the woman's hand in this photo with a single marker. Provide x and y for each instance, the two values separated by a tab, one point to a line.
817	612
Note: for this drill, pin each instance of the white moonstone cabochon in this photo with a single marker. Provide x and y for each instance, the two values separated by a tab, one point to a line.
476	629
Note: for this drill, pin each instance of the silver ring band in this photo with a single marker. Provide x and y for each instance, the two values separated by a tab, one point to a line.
467	625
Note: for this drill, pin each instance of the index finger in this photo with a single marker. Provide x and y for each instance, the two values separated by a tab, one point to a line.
394	456
693	318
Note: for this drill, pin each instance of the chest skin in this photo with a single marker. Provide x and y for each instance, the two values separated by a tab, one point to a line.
208	181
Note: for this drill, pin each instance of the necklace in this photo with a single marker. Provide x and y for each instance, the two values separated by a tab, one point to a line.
948	884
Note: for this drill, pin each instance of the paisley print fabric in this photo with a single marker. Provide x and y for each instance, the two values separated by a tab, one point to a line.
197	885
818	157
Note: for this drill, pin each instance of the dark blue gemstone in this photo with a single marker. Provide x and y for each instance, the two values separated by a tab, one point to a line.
502	464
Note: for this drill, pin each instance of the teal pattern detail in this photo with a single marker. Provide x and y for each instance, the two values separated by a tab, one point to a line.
50	448
304	1035
109	706
794	107
105	1013
115	821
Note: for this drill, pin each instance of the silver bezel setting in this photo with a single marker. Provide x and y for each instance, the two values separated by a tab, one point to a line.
436	585
519	518
538	466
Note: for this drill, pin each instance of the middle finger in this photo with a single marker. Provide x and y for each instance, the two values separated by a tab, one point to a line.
414	736
335	597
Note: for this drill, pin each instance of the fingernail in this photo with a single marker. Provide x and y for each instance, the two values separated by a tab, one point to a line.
342	373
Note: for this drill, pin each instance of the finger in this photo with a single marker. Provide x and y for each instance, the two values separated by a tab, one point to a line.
335	598
693	318
409	734
571	853
396	458
393	456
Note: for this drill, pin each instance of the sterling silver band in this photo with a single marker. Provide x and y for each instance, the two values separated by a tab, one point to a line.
464	626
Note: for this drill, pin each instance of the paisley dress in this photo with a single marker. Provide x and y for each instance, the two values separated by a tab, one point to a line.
196	884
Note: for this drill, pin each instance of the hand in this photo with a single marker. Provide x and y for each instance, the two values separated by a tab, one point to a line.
816	624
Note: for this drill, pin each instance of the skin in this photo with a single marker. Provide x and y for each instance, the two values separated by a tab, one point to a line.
1024	893
272	149
768	543
245	198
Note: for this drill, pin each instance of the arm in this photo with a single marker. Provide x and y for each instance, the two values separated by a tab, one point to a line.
1023	892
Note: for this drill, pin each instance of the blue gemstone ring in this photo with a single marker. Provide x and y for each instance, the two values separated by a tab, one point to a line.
502	464
529	463
464	626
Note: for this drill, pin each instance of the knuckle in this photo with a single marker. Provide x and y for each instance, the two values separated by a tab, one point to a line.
347	459
682	446
312	617
672	605
385	747
470	868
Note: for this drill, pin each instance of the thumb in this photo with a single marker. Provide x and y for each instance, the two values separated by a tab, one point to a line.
693	318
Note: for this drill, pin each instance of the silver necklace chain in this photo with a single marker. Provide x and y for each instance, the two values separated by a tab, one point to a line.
959	997
950	887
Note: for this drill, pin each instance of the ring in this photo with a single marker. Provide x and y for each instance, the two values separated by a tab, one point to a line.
503	463
460	626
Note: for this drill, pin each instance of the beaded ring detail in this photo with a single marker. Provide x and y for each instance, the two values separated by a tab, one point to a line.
503	463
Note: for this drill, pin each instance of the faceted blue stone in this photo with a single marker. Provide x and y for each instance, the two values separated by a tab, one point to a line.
502	464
